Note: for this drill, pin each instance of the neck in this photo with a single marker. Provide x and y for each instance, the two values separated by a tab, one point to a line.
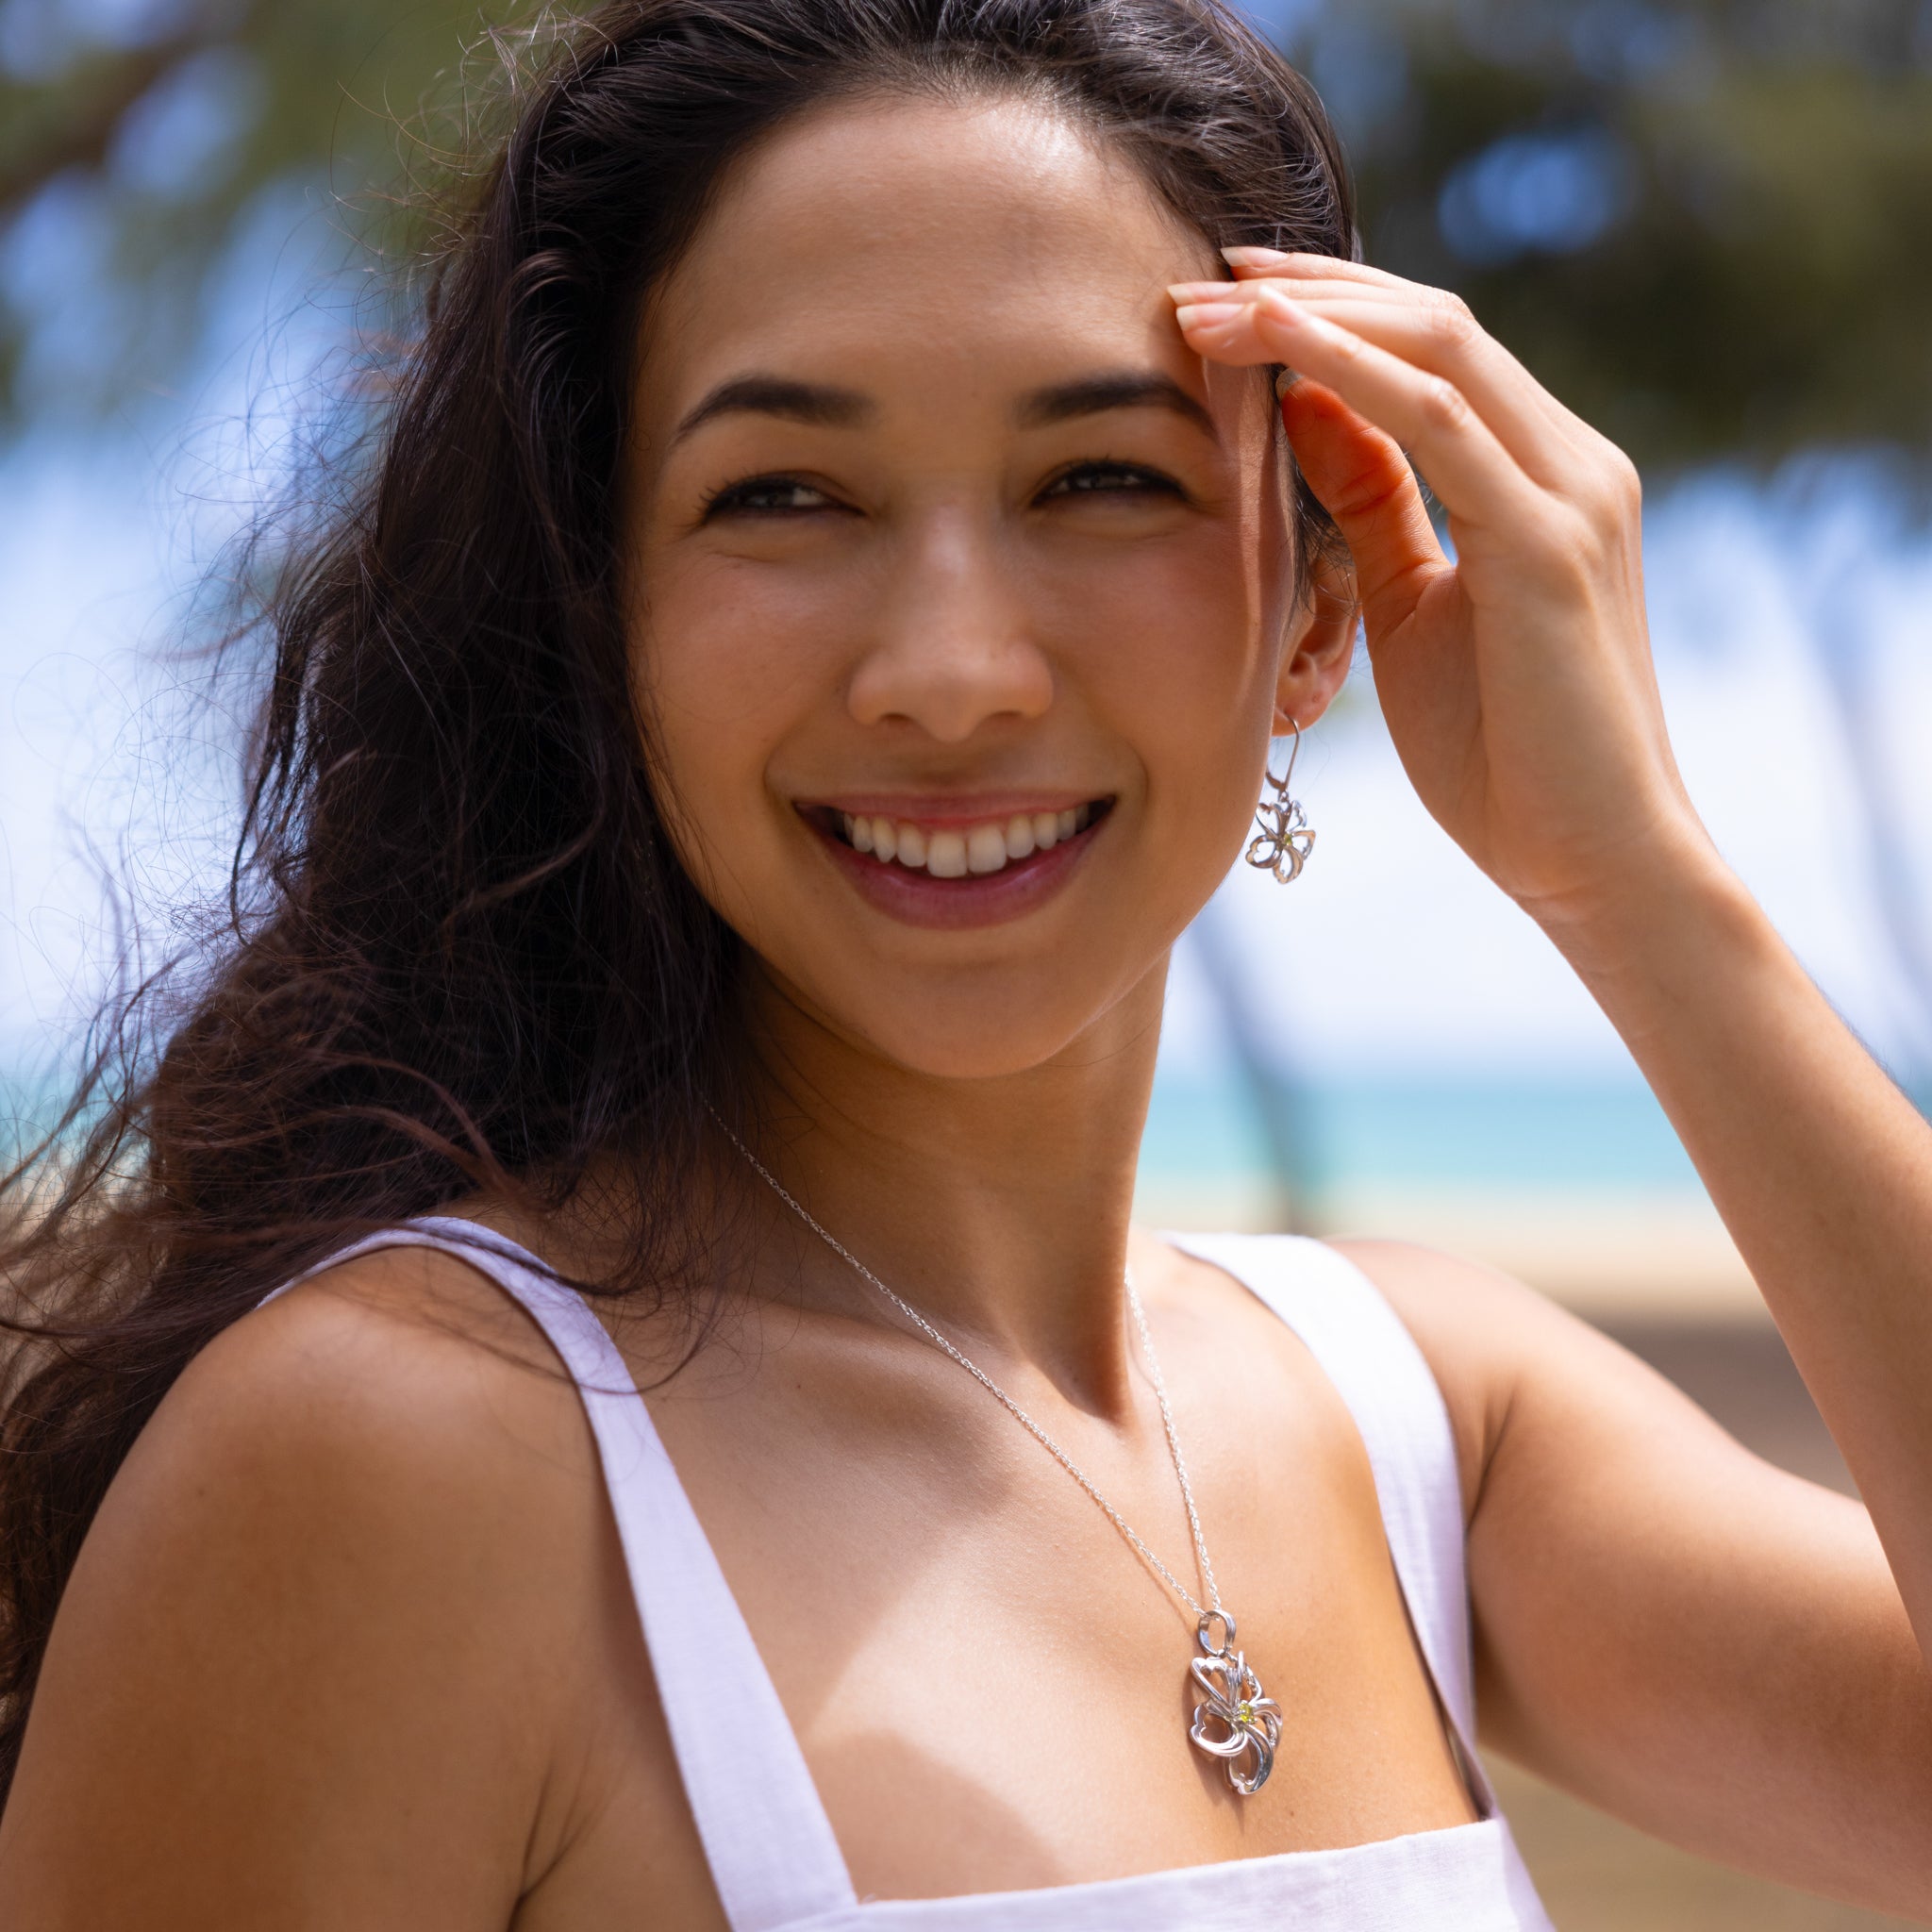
997	1207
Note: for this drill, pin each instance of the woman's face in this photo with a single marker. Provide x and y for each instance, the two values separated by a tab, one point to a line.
959	586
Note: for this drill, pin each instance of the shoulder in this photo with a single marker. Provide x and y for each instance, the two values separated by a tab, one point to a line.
1465	1316
401	1383
1542	1404
324	1603
1487	1337
1478	1331
392	1424
388	1333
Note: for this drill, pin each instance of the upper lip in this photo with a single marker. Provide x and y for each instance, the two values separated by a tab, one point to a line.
946	808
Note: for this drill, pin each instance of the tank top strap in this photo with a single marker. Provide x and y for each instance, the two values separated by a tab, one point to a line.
771	1851
1363	1347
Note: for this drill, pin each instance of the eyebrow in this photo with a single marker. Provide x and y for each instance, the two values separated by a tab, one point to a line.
825	406
817	403
1119	389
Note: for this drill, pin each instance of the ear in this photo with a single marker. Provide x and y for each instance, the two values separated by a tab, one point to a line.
1320	646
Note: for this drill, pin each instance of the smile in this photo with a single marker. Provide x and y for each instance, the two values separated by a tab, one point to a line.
958	862
957	852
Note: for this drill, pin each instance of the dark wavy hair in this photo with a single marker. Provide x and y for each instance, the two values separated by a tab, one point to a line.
457	949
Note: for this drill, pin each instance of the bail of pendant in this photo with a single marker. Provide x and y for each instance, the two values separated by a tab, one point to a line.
1227	1632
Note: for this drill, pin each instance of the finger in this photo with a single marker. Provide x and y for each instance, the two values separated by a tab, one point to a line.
1322	277
1476	477
1247	289
1244	263
1359	474
1437	332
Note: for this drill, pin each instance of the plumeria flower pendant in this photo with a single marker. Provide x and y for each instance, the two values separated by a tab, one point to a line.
1234	1721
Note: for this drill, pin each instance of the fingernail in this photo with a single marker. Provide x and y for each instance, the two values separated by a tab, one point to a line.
1247	258
1286	380
1204	291
1207	314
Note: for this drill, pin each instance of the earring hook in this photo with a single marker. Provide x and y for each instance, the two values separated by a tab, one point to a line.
1294	751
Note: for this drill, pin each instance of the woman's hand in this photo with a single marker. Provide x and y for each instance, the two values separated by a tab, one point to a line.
1517	679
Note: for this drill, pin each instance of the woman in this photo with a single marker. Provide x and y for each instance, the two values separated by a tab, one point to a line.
808	644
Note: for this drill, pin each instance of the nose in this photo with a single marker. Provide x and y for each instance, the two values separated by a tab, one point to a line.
951	649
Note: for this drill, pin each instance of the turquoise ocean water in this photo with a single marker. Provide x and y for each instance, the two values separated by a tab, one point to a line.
1435	1132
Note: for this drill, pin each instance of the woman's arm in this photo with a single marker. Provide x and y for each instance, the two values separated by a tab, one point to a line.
310	1670
1821	1168
1518	687
1665	1624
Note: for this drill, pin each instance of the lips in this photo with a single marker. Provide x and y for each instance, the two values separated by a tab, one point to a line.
936	863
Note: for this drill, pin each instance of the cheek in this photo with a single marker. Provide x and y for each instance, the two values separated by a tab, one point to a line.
730	638
728	658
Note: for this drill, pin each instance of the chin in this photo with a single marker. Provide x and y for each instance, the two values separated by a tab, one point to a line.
969	1026
992	1048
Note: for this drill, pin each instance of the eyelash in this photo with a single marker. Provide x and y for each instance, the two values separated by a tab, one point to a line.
1091	478
736	496
1136	475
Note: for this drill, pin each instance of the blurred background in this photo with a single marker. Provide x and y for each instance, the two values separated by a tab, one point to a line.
1706	223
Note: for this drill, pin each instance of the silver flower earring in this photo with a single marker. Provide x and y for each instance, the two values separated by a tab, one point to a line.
1283	841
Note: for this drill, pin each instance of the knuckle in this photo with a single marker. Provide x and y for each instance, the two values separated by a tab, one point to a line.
1443	406
1616	487
1628	482
1452	322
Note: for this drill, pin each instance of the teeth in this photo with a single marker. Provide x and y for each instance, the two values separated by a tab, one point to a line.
945	855
986	850
980	850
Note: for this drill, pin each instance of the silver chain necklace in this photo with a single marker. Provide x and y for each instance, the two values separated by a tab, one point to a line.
1234	1721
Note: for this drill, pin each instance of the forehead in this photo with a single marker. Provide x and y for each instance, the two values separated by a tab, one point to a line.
983	244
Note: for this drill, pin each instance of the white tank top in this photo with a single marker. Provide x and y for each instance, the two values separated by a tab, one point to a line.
771	1847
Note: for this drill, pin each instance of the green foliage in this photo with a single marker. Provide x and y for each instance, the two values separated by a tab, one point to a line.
1766	281
1706	223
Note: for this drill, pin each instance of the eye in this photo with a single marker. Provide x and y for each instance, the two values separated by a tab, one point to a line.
1111	479
767	496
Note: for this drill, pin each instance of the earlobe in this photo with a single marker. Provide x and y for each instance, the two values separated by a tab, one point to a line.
1315	660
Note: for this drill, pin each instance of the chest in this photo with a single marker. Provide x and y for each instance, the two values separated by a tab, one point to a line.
987	1684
